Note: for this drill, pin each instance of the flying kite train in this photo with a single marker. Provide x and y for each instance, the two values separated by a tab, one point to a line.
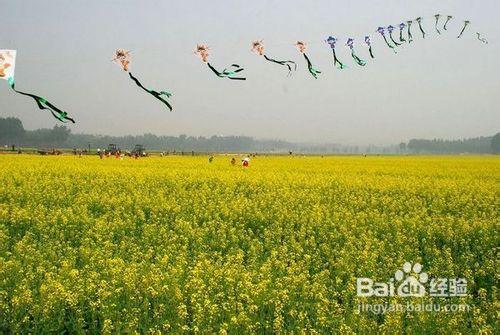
122	59
203	52
7	67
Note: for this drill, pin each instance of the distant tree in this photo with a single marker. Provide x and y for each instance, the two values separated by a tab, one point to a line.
402	146
11	130
59	134
495	143
56	136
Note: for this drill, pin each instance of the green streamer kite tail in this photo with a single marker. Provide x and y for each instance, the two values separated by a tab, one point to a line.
258	48
43	104
203	52
336	62
157	95
7	67
466	23
314	72
419	21
350	44
122	59
302	48
228	72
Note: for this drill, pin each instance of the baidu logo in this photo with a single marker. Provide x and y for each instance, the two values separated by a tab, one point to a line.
411	281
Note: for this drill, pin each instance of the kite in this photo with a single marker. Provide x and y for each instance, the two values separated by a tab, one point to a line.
448	18
466	23
419	21
381	31
350	44
410	36
437	16
369	43
258	48
203	52
482	39
302	49
391	29
401	28
122	59
332	41
7	67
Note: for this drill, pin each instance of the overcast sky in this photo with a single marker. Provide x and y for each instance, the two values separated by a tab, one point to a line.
438	87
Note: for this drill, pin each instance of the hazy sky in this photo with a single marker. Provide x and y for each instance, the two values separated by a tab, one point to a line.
438	87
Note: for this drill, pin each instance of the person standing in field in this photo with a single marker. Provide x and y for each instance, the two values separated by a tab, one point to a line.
210	159
246	162
233	161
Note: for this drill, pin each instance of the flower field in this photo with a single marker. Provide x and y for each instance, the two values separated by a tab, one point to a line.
180	245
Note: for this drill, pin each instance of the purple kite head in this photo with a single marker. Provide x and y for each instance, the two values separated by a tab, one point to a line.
350	43
367	40
381	30
331	41
402	26
390	29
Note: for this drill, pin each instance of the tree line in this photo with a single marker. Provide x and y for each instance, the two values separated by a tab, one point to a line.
481	144
12	132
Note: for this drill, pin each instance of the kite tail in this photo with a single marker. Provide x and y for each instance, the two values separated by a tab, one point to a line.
401	39
436	26
358	60
44	104
388	44
410	36
393	41
482	39
284	63
336	61
462	32
314	72
446	23
371	52
226	73
421	29
157	95
215	71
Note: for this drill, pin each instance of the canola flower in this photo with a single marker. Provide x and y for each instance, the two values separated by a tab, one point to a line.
177	245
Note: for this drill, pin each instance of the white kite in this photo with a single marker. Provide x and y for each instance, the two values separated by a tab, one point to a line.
7	69
7	65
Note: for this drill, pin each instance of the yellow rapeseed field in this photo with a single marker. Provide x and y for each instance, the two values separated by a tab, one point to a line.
180	245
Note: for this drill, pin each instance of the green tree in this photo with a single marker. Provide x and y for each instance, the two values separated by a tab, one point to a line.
11	130
495	143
